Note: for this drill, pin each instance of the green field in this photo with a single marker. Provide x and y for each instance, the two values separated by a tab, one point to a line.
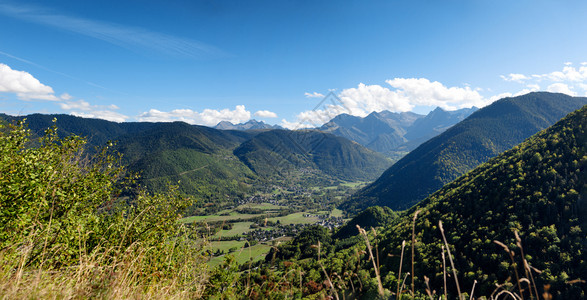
216	218
225	245
258	251
295	218
336	212
261	206
237	229
242	255
354	184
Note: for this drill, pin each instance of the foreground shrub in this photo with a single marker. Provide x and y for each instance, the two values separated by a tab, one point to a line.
66	231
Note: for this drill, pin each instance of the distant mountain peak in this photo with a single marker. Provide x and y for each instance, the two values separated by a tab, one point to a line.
458	149
392	132
251	124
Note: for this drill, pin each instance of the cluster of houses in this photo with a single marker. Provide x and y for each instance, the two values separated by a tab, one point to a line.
264	234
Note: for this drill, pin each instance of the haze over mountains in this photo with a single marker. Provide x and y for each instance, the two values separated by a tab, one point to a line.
486	133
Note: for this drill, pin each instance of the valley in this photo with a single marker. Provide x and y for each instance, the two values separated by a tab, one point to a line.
249	228
258	208
280	150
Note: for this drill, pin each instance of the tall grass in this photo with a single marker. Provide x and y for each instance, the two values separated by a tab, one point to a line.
104	273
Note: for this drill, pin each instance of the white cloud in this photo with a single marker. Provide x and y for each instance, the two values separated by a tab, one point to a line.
102	114
24	85
404	95
265	114
421	91
515	77
208	117
76	105
82	108
567	74
364	99
533	87
294	125
313	95
65	96
561	88
568	80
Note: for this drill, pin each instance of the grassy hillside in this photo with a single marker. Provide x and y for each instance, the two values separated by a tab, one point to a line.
483	135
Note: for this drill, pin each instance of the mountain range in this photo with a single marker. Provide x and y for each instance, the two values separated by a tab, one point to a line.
249	125
394	134
484	134
217	164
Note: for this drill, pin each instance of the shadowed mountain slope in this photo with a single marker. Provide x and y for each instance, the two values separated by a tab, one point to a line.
484	134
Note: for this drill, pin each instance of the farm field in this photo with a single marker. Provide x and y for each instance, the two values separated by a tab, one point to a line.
269	217
258	251
243	255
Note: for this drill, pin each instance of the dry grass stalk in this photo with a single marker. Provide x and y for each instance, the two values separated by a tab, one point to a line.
403	284
546	295
444	271
575	281
473	290
511	254
413	245
527	269
107	273
372	258
324	270
454	270
399	274
427	280
514	296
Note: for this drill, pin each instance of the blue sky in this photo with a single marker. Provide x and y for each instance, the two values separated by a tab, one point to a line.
207	61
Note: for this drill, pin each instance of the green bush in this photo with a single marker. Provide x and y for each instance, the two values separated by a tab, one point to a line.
61	209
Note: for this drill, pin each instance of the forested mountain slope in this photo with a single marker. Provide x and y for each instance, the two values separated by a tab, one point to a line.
279	152
96	131
202	160
538	189
484	134
198	157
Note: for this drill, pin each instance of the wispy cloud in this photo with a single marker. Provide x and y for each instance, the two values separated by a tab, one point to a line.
313	95
102	114
132	38
58	73
568	80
